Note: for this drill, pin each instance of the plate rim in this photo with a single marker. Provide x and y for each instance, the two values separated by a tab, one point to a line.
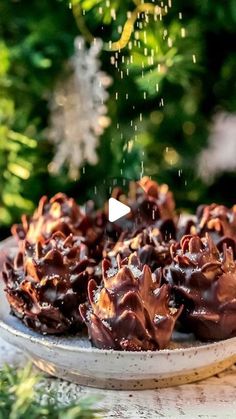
48	340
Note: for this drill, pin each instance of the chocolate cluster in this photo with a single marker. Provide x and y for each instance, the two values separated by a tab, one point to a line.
47	281
128	281
60	213
204	281
217	220
130	310
220	222
149	245
150	203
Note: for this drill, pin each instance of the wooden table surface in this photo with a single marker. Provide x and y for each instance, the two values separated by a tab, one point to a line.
212	398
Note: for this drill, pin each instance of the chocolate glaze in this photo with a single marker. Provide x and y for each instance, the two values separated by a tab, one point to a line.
205	282
60	213
47	281
161	194
217	220
149	202
60	250
130	311
150	246
220	222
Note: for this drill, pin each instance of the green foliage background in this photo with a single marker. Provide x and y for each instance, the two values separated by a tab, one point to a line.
37	38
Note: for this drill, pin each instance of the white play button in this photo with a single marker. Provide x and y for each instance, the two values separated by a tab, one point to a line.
116	210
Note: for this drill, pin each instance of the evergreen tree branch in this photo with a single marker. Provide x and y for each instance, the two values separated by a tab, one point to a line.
22	396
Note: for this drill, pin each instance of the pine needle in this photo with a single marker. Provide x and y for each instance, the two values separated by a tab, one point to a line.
21	396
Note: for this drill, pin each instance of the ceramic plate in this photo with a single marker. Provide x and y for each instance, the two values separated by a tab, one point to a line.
73	358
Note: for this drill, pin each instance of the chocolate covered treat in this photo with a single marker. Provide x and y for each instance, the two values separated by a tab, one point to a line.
94	227
130	310
131	300
149	202
60	213
204	280
220	222
160	193
150	246
46	283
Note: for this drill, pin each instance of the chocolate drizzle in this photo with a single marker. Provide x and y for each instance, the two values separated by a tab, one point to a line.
130	311
205	282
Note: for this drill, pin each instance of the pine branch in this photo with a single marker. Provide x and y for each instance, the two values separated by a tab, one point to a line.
21	396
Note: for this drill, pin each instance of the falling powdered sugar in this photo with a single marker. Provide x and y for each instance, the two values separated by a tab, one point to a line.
111	272
135	271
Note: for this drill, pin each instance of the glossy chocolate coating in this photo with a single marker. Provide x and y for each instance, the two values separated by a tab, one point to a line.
205	282
130	310
46	283
220	222
149	202
60	213
150	246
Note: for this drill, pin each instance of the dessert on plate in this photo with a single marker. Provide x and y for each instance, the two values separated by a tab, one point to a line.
47	281
204	281
130	310
126	285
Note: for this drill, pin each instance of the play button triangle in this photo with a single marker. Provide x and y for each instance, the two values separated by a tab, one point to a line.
116	210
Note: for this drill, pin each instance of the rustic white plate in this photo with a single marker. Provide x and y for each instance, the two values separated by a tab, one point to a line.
73	358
